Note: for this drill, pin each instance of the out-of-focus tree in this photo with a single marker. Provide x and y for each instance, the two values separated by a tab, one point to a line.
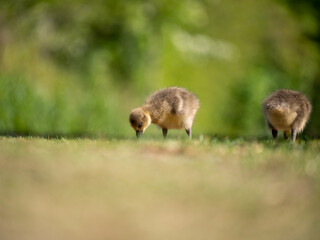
308	15
83	65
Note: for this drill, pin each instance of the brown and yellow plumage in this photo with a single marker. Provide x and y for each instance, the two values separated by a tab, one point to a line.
169	108
288	111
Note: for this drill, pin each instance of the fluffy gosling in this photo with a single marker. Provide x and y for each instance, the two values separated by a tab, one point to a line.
288	111
169	108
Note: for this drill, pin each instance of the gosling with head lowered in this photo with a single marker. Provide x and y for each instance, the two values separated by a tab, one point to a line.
288	111
169	108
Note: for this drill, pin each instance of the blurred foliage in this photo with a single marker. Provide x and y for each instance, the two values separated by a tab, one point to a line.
78	68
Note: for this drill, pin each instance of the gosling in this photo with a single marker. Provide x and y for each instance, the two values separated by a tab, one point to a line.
169	108
288	111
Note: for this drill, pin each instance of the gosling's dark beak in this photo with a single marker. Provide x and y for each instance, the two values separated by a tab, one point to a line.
138	133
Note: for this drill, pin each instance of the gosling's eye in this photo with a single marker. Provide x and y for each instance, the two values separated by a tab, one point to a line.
140	125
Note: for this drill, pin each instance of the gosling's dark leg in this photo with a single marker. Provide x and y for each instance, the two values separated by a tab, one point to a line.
164	132
294	134
188	131
274	133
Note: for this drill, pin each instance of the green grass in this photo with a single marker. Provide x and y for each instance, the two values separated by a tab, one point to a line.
209	189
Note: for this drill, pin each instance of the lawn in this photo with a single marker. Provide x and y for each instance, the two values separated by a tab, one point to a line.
154	189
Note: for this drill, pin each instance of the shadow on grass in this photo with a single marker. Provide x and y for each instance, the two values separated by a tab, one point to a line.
211	138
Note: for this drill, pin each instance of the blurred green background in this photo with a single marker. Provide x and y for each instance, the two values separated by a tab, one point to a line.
77	68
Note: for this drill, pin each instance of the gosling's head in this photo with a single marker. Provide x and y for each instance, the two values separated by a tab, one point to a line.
139	120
